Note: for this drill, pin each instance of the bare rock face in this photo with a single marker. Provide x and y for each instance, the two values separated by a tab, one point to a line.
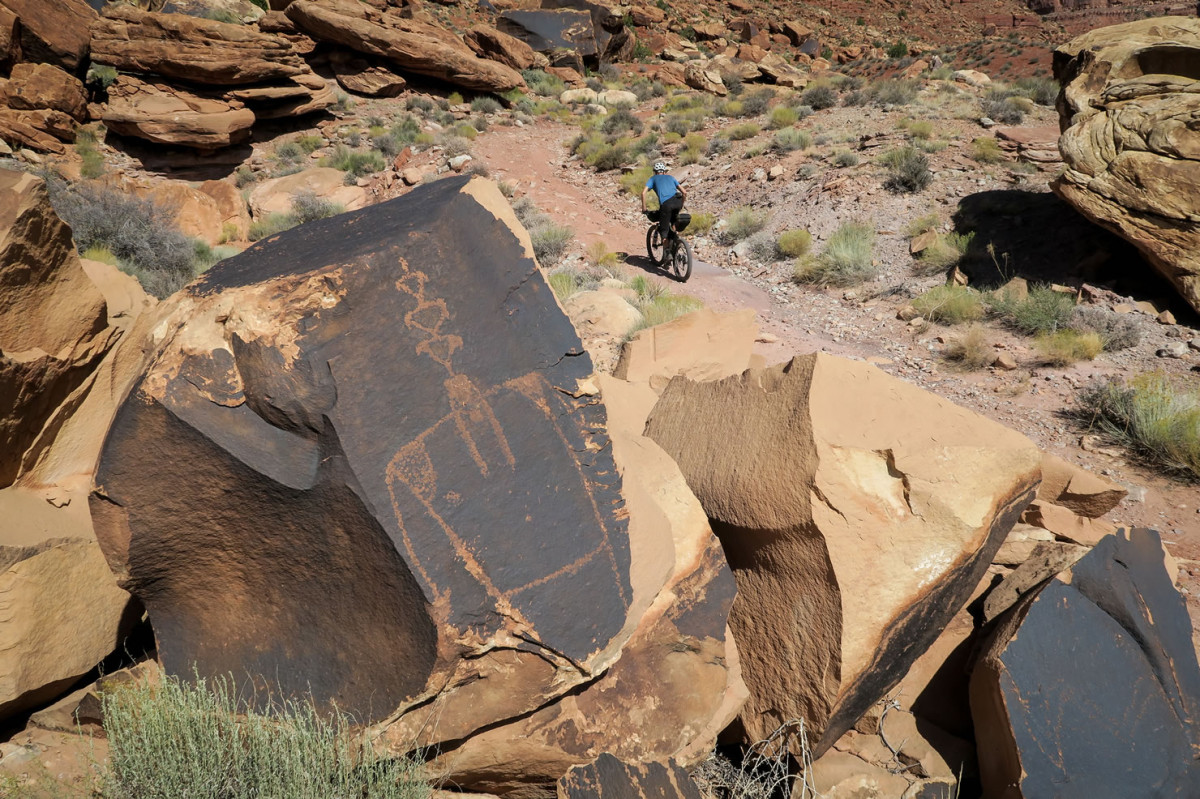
164	114
1132	156
385	442
42	129
703	345
487	42
700	77
857	512
59	372
1092	684
417	46
191	49
53	31
44	86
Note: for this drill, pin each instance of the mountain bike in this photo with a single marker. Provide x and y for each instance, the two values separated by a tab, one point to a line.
675	254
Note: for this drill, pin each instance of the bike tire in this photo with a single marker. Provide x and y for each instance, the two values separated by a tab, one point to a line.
682	260
654	244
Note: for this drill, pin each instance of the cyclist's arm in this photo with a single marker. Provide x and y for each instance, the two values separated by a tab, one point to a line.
645	193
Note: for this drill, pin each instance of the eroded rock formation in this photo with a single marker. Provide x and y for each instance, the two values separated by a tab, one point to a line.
829	484
384	441
1130	142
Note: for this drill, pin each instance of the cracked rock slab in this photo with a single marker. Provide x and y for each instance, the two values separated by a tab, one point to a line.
857	512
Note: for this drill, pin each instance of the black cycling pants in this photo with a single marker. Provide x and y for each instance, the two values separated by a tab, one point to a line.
667	212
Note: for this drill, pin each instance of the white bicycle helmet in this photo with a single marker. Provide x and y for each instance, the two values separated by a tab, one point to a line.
659	166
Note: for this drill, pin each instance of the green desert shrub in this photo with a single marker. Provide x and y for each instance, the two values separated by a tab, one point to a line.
664	307
743	222
819	96
1043	91
783	116
141	234
846	260
945	251
789	139
986	151
950	304
1042	310
543	83
1007	111
702	222
1065	347
763	247
176	739
895	92
564	284
354	162
1116	331
795	243
746	130
622	121
909	169
485	104
1151	414
845	158
550	240
972	350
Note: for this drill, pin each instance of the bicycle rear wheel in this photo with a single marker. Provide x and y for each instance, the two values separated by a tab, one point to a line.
681	260
654	244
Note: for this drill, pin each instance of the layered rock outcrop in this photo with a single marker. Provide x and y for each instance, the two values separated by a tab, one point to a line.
1130	142
521	575
61	369
412	45
828	483
49	32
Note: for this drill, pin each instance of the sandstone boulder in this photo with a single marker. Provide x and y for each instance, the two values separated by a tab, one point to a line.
545	31
163	114
702	345
1092	685
1133	159
196	213
487	42
392	447
63	612
699	76
780	72
43	129
417	46
296	96
44	86
191	49
607	776
360	76
275	196
53	32
826	482
10	40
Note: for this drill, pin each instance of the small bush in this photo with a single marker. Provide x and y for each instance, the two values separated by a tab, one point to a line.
633	182
419	103
310	142
897	50
701	223
1065	347
550	240
564	284
742	222
972	349
598	254
622	121
795	243
789	139
1006	111
308	207
289	152
353	162
895	92
845	158
950	305
756	103
141	234
783	116
1150	414
274	223
846	260
1043	91
664	308
486	104
543	83
1116	331
718	145
820	96
763	247
244	176
921	129
909	170
986	151
173	739
1043	310
746	130
101	75
946	251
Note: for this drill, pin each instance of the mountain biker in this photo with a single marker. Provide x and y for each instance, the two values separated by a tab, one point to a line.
671	196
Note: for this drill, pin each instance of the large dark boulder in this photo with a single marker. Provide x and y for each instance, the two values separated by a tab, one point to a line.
1092	688
366	463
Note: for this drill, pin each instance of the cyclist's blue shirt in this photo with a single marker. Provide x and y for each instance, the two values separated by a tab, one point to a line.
664	186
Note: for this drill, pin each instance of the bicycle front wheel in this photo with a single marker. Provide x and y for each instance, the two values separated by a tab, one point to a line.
682	260
654	244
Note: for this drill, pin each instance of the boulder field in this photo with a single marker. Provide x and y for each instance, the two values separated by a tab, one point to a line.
369	460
